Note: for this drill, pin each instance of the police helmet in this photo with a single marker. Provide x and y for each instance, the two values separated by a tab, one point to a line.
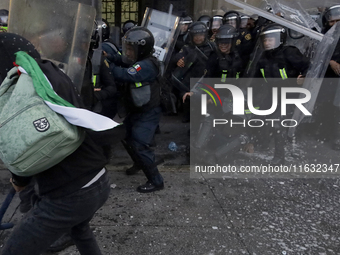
226	34
244	20
198	28
3	18
137	44
232	18
272	36
105	30
205	19
185	22
216	22
128	25
331	14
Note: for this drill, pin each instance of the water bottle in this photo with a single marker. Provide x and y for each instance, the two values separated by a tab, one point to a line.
172	146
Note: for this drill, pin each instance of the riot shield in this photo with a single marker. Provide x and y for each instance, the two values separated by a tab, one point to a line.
59	29
165	29
317	70
4	4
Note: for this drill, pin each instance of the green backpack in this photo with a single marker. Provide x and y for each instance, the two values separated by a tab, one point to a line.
33	137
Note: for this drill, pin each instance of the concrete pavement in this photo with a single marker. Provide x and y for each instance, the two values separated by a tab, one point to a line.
209	216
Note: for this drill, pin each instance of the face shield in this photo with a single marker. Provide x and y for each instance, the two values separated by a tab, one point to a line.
184	25
3	20
225	45
216	23
198	38
333	14
271	39
244	21
129	52
232	21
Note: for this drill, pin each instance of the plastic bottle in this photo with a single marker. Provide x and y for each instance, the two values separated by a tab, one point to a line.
172	146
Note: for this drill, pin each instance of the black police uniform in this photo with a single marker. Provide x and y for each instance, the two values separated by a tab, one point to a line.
139	83
281	63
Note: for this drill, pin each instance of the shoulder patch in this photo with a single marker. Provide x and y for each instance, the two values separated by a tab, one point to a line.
131	70
137	67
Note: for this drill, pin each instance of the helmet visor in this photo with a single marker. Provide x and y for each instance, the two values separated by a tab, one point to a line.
333	13
271	39
244	22
130	52
225	45
216	23
3	20
232	21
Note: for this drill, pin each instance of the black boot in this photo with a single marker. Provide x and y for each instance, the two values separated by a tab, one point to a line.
133	170
279	154
62	243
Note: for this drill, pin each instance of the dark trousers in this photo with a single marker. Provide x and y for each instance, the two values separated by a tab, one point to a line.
51	218
140	130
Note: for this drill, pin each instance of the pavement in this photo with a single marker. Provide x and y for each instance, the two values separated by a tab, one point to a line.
209	215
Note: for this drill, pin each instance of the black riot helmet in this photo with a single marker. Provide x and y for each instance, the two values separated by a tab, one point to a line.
216	22
105	30
198	29
226	34
331	14
128	25
232	18
205	19
273	36
137	44
185	22
3	19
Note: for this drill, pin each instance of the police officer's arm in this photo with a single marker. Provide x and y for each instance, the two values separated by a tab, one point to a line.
141	71
107	85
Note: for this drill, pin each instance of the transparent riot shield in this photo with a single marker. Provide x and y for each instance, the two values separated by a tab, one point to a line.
4	4
97	53
165	29
59	29
317	70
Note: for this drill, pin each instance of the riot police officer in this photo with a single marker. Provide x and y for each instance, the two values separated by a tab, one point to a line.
183	37
326	101
215	24
142	100
191	61
225	62
110	49
206	19
128	25
281	62
245	42
3	20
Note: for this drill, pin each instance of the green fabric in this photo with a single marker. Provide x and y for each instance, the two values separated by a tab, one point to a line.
40	83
